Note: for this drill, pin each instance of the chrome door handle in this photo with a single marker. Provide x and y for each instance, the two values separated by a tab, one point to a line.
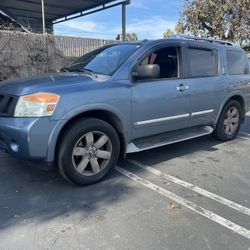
182	87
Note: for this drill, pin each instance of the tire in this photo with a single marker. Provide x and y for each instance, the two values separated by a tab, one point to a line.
88	151
228	126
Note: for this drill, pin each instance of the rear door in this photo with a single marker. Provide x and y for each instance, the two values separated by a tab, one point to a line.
206	83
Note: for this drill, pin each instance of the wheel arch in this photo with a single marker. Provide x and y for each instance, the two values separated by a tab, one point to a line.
236	97
105	115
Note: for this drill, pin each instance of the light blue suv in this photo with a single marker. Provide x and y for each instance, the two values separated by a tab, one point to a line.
125	98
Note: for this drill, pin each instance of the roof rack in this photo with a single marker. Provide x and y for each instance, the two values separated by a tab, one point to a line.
202	39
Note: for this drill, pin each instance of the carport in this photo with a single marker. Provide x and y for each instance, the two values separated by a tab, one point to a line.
40	15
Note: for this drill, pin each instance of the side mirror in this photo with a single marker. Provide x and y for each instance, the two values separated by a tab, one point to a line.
149	71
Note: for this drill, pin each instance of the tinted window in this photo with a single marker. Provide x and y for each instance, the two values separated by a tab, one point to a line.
167	59
237	63
203	62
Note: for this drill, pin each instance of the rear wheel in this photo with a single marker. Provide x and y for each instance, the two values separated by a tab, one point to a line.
229	122
88	151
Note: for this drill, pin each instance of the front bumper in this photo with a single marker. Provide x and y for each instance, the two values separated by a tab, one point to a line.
27	138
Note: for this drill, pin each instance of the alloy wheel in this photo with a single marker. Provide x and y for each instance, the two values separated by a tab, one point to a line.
92	153
231	121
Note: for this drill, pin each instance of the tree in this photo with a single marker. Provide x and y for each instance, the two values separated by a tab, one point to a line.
131	37
179	28
223	19
168	33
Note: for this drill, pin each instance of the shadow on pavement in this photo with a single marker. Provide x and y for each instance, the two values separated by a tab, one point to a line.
246	126
186	148
29	195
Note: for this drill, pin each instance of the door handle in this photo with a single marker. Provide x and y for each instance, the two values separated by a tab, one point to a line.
182	87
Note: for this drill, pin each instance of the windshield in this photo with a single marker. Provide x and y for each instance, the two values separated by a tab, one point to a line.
105	60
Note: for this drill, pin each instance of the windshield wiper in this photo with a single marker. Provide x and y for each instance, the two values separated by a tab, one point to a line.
65	69
87	70
82	70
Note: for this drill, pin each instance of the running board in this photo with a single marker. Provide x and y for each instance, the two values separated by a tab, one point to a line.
167	138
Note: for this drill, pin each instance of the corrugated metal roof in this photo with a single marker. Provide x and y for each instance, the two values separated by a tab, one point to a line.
54	9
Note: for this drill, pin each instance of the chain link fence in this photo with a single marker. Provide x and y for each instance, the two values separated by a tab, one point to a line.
28	54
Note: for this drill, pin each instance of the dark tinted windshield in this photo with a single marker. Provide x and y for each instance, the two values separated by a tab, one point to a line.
105	60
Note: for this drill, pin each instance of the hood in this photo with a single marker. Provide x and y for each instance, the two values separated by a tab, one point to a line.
43	83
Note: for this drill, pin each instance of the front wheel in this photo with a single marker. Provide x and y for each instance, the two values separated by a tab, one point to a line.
88	151
229	122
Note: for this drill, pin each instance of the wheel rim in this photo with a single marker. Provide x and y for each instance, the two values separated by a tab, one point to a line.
231	121
92	153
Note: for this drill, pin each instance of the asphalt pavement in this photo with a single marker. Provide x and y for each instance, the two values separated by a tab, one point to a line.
190	195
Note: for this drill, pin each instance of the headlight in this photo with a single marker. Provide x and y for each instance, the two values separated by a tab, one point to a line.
36	105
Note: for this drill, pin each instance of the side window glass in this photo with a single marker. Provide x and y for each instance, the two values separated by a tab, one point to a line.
168	60
237	63
203	62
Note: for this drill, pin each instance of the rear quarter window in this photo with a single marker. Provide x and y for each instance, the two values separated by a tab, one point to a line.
237	62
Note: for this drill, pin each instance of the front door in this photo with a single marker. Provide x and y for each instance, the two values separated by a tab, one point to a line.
161	105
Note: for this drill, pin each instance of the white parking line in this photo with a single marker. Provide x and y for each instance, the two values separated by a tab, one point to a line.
194	188
197	209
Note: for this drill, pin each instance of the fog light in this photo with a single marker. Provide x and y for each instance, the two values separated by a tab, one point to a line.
14	147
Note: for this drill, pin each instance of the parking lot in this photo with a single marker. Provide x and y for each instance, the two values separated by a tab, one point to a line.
190	195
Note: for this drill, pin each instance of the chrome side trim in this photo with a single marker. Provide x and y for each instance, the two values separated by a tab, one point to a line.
202	112
160	120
